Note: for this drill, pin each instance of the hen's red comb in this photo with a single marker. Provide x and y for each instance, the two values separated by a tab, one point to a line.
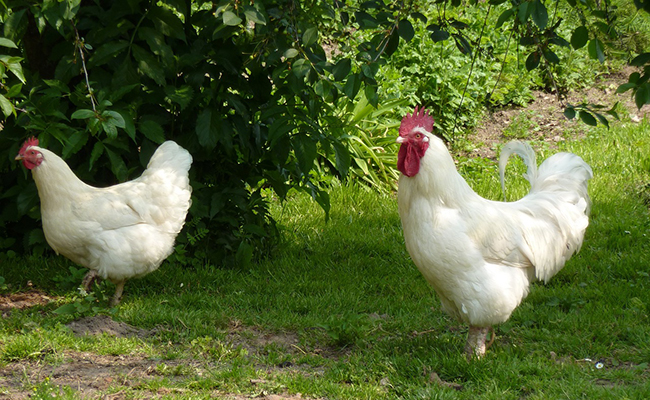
32	141
419	118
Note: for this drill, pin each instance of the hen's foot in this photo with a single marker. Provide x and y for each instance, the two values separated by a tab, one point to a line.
476	346
88	280
119	289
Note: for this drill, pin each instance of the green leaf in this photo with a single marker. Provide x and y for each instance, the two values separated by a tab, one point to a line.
439	35
301	67
158	44
342	156
405	29
532	61
181	96
602	119
98	150
642	95
524	11
253	15
244	255
167	22
231	19
539	14
596	50
323	88
625	87
6	106
279	129
74	143
371	95
66	309
570	112
506	15
551	57
291	53
117	165
83	114
342	69
107	52
365	20
4	42
152	130
640	60
352	86
310	37
13	63
15	23
580	37
587	118
115	118
462	44
206	130
14	90
129	125
305	149
110	128
149	65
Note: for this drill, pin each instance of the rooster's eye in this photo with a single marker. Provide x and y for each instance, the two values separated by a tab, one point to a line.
417	136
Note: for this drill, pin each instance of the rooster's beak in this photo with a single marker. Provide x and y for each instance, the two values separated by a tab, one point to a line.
400	139
18	157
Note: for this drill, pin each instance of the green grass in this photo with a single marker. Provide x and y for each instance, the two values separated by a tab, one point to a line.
364	323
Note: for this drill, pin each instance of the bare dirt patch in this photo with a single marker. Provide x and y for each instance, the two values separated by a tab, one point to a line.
22	300
544	115
118	377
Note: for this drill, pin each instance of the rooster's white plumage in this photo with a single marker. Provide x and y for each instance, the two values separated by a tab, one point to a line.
118	232
479	255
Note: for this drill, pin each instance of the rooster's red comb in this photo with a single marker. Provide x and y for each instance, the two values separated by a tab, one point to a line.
419	118
32	141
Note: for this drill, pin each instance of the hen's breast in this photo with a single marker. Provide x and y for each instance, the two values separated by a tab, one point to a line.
471	288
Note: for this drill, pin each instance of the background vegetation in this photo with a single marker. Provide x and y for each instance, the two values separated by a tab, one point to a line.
279	95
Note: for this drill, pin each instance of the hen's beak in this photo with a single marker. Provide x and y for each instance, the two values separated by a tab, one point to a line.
18	157
400	139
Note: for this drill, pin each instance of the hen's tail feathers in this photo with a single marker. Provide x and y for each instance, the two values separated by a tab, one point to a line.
169	185
172	157
526	153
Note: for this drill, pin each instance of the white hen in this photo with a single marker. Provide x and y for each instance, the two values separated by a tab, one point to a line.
479	255
118	232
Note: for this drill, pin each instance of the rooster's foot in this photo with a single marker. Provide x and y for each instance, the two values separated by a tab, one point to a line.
88	280
119	288
476	338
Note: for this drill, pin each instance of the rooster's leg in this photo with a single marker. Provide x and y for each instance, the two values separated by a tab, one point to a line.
475	346
90	277
119	288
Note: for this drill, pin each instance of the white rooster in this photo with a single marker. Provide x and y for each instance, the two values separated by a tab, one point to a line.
118	232
479	255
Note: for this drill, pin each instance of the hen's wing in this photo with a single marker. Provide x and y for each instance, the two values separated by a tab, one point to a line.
160	197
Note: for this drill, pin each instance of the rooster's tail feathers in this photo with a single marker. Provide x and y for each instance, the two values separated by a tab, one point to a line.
526	153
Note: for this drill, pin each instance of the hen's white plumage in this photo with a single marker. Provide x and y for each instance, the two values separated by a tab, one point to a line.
118	232
480	255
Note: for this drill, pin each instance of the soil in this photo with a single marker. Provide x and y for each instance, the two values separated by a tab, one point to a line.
90	375
545	119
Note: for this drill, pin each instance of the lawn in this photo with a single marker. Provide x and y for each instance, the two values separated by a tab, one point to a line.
339	311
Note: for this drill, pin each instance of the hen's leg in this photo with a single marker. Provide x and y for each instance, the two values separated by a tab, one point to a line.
119	288
475	346
89	279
